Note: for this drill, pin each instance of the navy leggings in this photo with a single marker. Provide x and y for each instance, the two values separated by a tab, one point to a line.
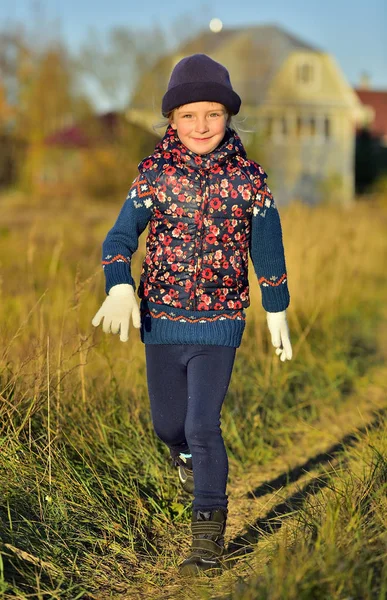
187	385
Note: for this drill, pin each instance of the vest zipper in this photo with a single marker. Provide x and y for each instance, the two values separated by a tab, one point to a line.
192	303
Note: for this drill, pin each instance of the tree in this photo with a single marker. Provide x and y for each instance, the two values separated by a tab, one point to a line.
111	63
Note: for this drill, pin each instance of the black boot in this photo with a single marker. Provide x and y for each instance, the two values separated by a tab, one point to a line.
183	463
207	548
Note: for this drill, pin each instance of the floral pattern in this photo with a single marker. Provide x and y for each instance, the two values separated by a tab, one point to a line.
198	239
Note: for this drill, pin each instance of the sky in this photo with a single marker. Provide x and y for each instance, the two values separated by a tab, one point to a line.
353	31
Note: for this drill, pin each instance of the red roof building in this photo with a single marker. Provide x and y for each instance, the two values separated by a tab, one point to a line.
376	101
96	129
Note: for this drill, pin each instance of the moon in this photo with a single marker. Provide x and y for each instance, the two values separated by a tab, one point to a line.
216	25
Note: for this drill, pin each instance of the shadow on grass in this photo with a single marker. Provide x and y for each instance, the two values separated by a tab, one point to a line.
295	474
273	521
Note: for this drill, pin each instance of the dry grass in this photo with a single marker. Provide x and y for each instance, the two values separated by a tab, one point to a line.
89	501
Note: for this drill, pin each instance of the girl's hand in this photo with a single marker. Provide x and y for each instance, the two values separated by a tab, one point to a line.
119	305
278	327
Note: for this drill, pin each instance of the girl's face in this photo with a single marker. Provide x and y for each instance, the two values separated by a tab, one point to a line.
200	125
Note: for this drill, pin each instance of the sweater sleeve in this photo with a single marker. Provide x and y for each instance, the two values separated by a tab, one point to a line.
267	252
122	240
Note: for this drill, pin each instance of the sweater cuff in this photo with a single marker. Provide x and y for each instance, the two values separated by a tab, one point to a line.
116	273
275	299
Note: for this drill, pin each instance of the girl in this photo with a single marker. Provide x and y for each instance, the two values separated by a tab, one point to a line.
206	206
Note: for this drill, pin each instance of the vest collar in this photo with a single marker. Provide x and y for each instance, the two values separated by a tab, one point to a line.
171	147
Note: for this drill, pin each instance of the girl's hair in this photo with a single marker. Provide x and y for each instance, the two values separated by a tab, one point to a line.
162	124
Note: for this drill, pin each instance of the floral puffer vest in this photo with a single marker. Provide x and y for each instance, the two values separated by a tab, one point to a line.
198	240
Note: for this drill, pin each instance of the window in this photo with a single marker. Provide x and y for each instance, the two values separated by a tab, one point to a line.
269	127
298	126
305	73
313	128
327	128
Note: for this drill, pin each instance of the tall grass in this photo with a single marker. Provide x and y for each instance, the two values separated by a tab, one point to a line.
88	499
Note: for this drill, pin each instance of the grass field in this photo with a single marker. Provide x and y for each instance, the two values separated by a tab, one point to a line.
89	504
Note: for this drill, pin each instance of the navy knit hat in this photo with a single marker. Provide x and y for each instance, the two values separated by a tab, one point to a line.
198	78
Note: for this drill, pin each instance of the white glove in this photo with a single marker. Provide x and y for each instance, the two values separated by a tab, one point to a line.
119	305
278	327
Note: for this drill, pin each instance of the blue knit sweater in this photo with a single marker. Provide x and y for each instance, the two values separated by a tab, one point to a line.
162	323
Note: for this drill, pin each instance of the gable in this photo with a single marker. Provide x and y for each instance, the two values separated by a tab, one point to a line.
312	79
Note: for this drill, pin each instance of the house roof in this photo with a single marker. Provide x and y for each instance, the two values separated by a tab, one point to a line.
87	133
263	35
70	137
94	130
377	100
252	54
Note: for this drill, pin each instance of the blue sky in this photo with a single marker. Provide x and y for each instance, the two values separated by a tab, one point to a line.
354	31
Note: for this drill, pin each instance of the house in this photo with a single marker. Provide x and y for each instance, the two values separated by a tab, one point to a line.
298	108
